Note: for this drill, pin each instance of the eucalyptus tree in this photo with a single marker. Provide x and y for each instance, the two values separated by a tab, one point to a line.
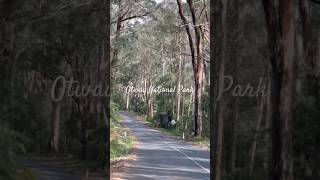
196	34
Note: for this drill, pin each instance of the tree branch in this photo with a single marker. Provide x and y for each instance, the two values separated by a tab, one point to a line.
131	17
192	48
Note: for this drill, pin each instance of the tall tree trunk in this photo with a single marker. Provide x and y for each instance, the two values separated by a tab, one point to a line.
199	70
197	64
234	138
56	118
105	101
255	136
190	106
56	125
219	126
267	127
183	97
220	102
178	95
236	54
280	25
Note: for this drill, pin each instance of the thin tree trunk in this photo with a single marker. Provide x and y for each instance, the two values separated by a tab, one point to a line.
219	127
148	99
190	106
56	119
178	103
56	125
234	137
220	102
255	137
105	101
267	128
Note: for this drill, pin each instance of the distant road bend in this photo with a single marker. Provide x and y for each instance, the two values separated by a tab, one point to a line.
160	157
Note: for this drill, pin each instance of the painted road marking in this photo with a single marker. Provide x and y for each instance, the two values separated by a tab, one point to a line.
179	151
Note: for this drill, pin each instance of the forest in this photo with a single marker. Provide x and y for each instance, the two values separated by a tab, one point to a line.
273	135
153	47
43	46
84	82
260	87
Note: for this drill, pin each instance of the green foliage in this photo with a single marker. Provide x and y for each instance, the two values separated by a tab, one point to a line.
119	144
163	102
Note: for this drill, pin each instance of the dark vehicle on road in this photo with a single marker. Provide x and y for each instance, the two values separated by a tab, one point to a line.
164	120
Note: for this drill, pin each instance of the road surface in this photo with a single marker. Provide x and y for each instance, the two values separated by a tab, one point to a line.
159	157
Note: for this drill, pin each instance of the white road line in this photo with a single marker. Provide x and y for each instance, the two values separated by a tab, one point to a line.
178	150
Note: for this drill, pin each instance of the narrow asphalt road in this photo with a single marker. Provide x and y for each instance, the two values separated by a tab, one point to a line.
160	157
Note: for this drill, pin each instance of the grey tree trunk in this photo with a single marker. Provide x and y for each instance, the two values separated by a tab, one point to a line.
220	102
178	95
56	125
234	137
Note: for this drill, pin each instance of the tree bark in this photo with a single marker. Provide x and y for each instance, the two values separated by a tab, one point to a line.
148	96
190	106
178	95
199	73
56	125
220	102
280	25
234	138
197	64
56	119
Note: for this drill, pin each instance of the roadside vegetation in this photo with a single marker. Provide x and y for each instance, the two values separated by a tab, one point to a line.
121	143
180	131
